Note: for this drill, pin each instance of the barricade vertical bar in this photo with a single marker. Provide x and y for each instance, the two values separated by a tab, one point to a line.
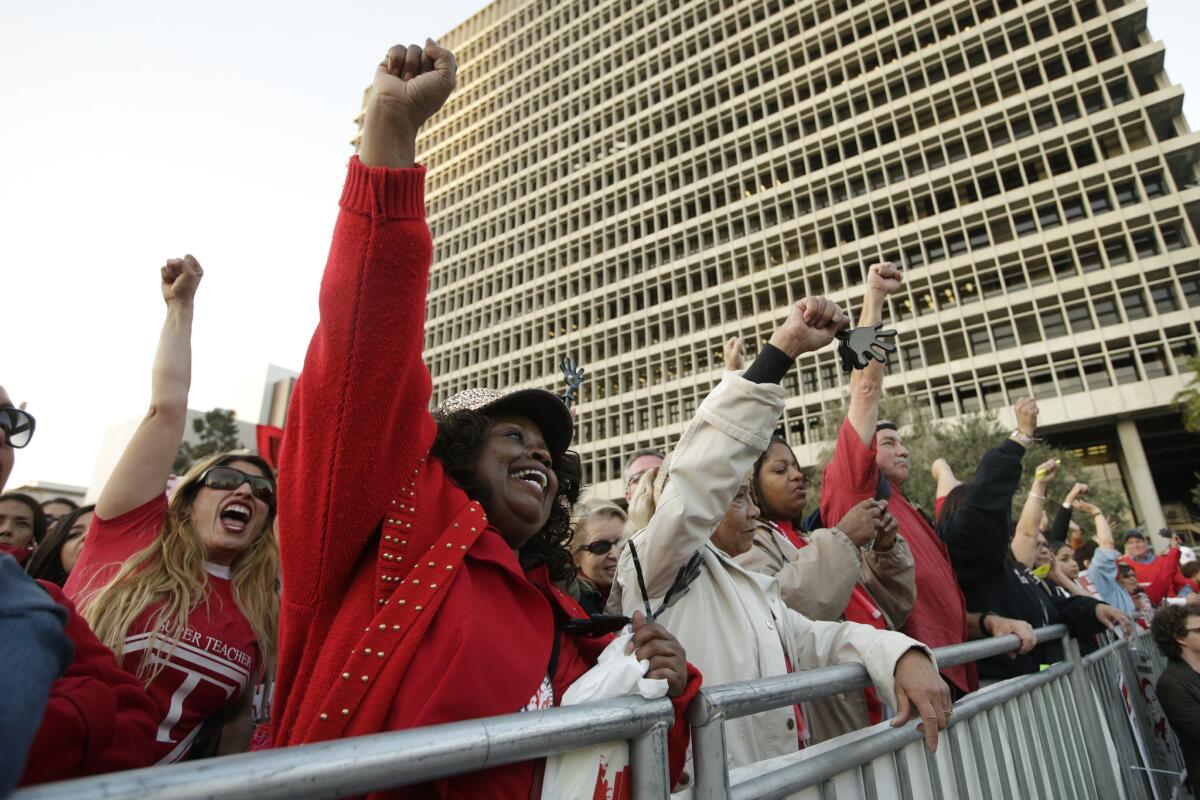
708	757
1090	720
648	762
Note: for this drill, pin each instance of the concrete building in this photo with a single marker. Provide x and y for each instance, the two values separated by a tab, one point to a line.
631	182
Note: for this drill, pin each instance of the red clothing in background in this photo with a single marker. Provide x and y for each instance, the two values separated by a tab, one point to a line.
424	613
1160	578
938	616
98	718
862	609
208	667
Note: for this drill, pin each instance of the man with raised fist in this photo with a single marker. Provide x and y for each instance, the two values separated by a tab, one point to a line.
870	460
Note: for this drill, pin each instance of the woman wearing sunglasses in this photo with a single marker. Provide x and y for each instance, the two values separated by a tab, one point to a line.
598	530
16	429
183	590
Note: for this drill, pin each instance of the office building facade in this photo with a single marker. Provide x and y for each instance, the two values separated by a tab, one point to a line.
632	182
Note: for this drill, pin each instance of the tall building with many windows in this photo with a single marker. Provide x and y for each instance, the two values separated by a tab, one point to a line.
631	182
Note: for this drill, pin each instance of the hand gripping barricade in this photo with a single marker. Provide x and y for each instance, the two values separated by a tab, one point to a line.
1083	728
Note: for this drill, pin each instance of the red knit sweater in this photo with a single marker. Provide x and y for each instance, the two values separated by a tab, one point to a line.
401	605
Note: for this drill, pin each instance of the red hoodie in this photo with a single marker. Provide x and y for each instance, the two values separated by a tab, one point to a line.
402	606
99	717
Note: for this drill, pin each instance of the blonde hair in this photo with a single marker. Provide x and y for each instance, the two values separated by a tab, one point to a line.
595	509
171	570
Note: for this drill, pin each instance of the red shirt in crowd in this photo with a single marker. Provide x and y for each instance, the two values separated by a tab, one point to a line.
1159	578
208	667
424	613
938	616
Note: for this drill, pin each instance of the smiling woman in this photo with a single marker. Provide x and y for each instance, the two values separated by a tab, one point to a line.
183	590
426	547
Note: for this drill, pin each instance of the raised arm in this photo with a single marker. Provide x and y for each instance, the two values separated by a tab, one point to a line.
359	421
1024	543
143	469
731	428
866	386
944	475
977	533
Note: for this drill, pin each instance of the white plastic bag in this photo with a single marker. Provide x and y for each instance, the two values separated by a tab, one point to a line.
601	772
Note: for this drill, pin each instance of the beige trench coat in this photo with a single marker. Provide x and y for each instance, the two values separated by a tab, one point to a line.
815	579
733	622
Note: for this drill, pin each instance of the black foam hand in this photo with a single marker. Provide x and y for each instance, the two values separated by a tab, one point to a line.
858	347
573	376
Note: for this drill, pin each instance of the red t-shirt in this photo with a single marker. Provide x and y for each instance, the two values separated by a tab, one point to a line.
208	668
938	616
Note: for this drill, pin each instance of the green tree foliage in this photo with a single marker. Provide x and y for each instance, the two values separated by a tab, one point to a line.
962	443
1189	398
217	432
1189	408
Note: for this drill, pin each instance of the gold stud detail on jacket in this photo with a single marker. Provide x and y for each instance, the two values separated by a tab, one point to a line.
345	712
324	716
345	676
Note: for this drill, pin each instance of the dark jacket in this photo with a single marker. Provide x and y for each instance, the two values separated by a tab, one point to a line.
1179	695
977	536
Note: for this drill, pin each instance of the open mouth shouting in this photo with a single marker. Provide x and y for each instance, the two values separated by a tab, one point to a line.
534	478
236	514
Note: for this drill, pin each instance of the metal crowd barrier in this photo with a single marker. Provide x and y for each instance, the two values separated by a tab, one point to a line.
1065	732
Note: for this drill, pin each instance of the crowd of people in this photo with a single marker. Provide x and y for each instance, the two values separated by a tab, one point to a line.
406	567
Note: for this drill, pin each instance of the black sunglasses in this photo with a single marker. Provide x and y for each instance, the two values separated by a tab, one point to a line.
603	624
599	547
231	478
17	426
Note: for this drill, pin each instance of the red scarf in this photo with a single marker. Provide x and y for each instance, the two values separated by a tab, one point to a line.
861	609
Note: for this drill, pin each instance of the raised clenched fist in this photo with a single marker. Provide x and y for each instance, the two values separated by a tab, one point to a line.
811	324
735	354
180	279
1026	410
885	278
411	84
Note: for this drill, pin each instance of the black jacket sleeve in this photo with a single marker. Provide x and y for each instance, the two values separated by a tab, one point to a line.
1060	525
977	534
1079	615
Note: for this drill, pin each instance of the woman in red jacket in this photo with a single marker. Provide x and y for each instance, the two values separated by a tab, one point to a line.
423	550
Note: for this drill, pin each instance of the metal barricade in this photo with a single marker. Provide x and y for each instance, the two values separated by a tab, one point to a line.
1065	732
354	766
1121	675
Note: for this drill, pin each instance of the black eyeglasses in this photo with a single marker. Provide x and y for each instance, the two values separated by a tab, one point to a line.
17	426
599	547
231	478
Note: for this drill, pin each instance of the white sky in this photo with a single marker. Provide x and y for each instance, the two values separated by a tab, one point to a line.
131	132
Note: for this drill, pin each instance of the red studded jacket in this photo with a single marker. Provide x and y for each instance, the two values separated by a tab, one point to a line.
401	605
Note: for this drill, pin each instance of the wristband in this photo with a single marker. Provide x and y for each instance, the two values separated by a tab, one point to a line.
983	616
1020	437
1037	496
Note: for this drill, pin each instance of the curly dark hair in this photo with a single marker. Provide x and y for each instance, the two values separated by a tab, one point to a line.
1169	625
459	439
